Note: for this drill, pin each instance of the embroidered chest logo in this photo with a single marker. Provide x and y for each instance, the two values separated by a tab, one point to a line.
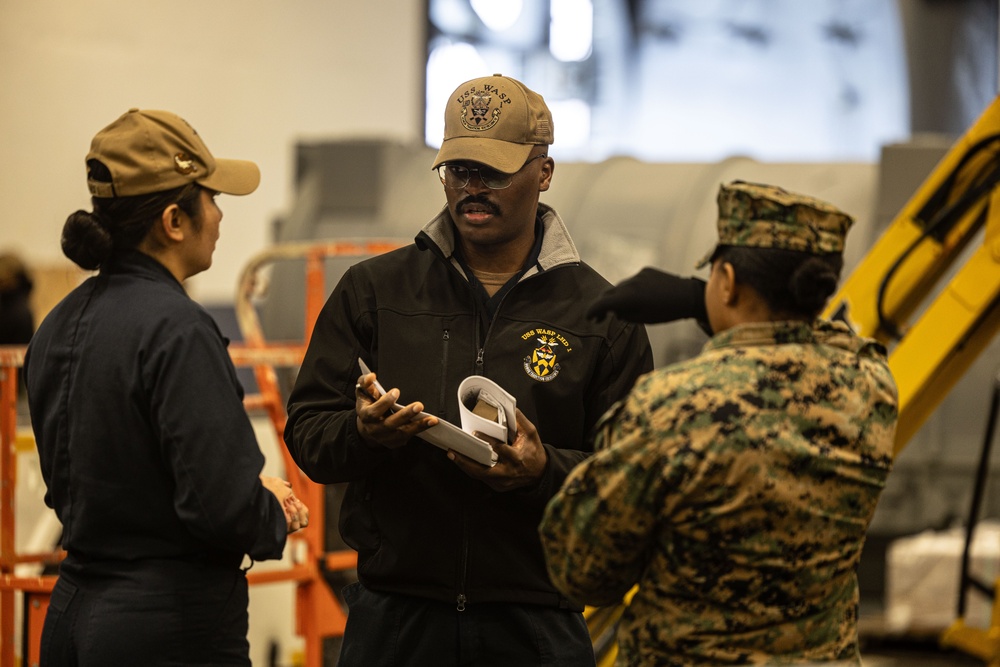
543	363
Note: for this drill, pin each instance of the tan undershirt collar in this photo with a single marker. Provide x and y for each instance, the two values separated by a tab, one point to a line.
492	282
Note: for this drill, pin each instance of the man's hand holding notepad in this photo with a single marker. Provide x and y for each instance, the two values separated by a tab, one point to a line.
484	407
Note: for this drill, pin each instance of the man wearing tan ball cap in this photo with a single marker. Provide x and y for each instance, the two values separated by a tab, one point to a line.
149	459
495	121
449	562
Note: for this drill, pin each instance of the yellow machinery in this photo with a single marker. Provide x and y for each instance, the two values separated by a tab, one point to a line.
957	204
931	341
930	352
949	228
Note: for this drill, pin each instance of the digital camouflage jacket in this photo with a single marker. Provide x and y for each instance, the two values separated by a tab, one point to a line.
735	489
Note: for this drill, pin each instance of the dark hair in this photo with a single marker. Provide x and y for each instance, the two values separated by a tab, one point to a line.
791	282
118	224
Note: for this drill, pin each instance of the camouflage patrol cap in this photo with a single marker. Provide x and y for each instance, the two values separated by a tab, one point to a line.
765	216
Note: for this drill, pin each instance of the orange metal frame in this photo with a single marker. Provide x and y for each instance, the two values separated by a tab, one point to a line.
318	612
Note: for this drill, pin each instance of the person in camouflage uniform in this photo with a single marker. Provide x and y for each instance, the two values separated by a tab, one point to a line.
735	488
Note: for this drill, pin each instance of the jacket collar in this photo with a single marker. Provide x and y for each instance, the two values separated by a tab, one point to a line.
141	264
557	245
817	332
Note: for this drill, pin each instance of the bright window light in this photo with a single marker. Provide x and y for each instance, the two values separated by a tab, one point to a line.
688	80
498	15
572	122
447	66
571	31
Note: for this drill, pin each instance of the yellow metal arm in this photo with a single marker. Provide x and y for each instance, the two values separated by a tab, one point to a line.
930	351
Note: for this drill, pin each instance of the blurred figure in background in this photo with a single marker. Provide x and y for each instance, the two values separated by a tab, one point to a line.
17	323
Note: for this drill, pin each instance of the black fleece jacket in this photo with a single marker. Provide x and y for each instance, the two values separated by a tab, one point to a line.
421	527
145	446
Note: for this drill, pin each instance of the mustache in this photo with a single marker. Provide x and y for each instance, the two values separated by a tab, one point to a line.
478	200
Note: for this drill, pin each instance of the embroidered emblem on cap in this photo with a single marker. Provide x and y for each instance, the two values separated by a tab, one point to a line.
476	113
183	164
542	364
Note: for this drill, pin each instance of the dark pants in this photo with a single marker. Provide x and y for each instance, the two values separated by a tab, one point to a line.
385	630
147	614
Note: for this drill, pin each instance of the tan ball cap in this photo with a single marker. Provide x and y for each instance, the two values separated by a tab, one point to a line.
152	151
494	120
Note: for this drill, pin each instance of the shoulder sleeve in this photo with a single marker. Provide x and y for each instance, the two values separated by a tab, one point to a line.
321	432
627	358
598	530
209	443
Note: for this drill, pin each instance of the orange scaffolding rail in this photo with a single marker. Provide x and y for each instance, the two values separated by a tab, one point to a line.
318	613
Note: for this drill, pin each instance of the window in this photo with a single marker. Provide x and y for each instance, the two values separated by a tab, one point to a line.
686	80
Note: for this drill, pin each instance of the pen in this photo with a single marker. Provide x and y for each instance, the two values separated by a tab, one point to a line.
381	389
366	371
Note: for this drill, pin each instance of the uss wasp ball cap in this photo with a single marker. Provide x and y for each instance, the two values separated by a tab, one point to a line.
151	151
765	216
494	120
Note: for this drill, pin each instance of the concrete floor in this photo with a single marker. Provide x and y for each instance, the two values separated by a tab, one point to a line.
917	657
918	660
881	650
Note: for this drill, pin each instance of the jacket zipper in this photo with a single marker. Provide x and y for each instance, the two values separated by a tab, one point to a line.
481	349
460	600
445	338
